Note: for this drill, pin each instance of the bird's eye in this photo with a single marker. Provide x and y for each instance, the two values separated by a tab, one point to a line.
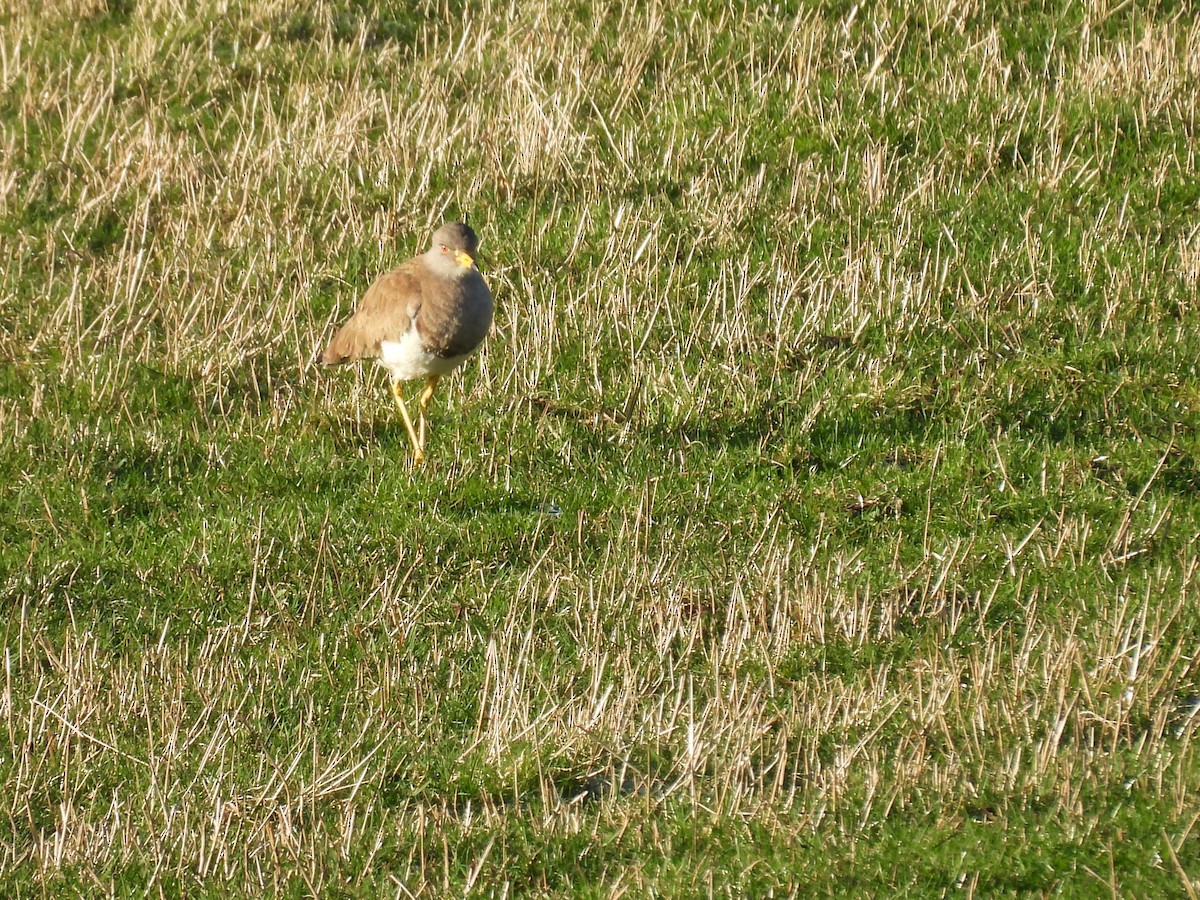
445	249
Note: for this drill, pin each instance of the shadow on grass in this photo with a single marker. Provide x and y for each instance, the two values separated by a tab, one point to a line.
380	435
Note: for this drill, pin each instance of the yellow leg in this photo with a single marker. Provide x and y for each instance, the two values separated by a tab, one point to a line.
418	452
423	401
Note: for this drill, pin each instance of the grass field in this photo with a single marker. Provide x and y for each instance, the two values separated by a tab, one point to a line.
822	516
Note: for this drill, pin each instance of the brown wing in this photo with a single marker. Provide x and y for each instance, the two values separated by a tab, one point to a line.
385	313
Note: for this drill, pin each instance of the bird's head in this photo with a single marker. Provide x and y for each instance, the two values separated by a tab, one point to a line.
455	241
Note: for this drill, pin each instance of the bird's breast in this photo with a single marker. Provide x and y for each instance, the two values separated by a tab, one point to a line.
457	326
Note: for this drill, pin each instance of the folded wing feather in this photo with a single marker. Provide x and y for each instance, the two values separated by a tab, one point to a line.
386	313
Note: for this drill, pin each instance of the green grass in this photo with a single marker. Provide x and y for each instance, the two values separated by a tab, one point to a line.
821	517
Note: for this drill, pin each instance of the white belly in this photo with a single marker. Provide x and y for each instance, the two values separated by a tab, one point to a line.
406	359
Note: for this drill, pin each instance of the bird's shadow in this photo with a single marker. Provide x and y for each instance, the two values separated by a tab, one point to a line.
370	436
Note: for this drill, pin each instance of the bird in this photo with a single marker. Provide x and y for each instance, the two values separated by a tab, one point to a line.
422	319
